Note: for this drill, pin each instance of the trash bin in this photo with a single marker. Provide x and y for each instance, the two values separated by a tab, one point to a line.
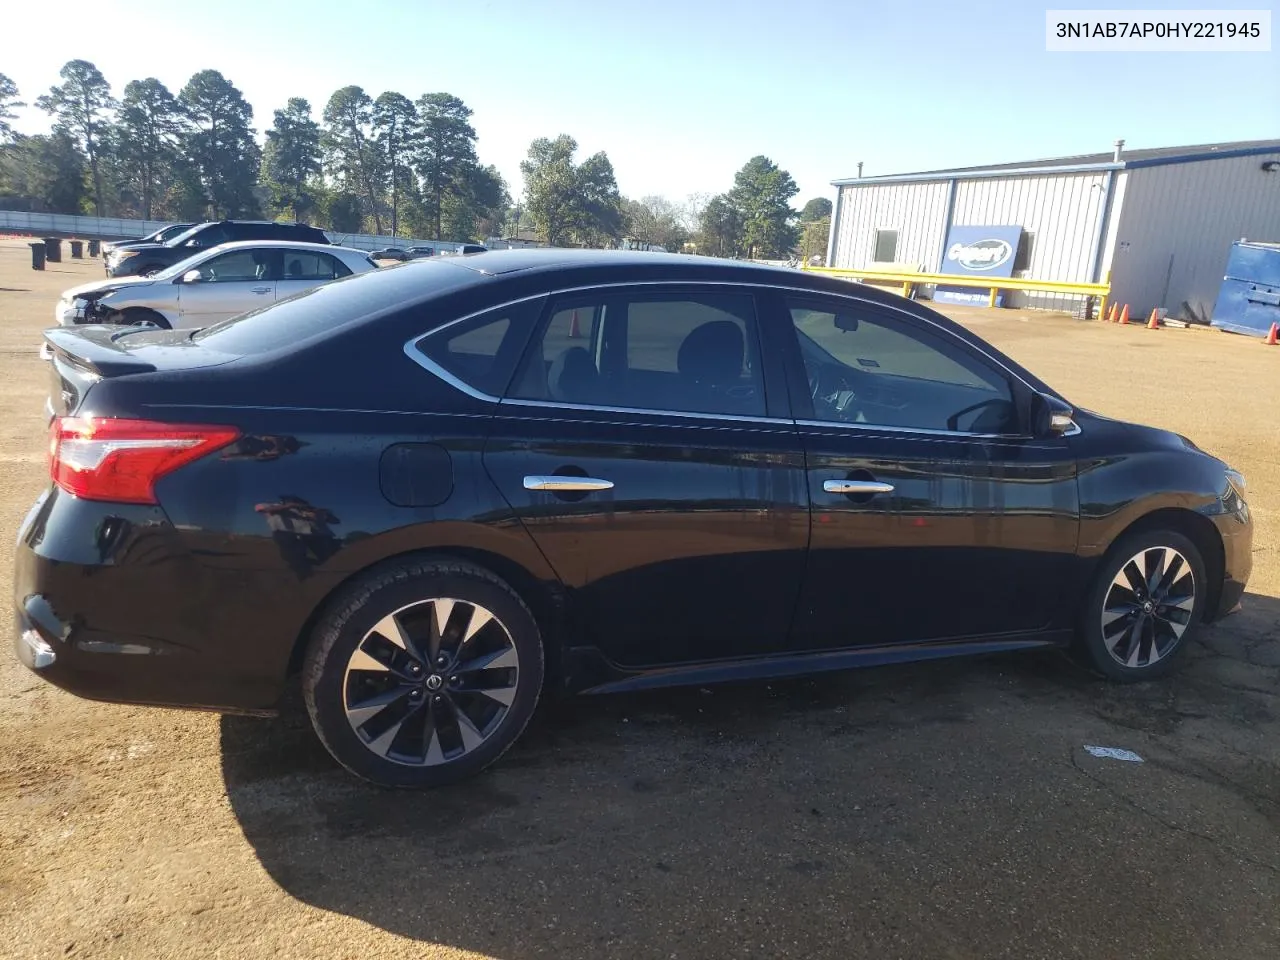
77	249
95	248
1249	298
53	249
37	255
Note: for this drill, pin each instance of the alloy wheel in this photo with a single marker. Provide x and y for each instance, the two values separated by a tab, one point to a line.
431	682
1148	606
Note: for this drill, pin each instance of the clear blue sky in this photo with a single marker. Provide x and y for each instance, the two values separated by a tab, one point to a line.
681	94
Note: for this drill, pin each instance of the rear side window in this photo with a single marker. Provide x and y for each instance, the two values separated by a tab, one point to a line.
304	265
482	351
333	306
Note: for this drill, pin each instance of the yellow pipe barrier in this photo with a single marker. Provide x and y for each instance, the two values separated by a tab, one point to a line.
993	284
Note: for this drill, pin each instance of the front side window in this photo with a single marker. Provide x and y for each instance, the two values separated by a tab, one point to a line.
694	353
209	237
238	267
304	265
865	367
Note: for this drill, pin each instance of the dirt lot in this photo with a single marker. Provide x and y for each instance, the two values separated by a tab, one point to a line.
945	810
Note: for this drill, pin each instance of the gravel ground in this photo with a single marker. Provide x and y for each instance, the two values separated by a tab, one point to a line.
943	810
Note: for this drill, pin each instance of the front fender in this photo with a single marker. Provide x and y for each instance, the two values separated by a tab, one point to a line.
1118	490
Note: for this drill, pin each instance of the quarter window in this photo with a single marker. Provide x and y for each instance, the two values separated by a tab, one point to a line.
303	265
692	353
864	367
483	351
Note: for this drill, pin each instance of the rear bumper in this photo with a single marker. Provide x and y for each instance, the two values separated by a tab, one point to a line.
110	604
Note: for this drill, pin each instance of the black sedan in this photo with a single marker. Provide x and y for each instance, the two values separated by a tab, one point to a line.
437	489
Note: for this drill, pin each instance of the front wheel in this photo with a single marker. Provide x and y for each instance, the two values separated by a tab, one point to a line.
423	673
1144	606
140	317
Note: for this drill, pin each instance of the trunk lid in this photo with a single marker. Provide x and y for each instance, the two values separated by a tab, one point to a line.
85	355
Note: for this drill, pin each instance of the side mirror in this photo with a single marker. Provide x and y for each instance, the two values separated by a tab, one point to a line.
191	276
846	322
1051	417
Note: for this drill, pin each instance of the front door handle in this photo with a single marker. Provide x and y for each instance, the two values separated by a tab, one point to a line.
559	484
856	486
260	289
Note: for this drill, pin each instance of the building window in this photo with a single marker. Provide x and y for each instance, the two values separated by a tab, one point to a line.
1025	248
886	246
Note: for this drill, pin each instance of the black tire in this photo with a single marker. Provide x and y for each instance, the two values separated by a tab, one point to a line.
410	588
1152	624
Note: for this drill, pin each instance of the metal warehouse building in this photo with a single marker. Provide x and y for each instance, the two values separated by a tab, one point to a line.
1160	222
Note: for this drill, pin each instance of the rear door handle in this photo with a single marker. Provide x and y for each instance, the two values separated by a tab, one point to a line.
856	486
562	484
260	289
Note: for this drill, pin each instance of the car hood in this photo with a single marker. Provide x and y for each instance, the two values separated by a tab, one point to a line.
100	288
129	244
1107	433
144	247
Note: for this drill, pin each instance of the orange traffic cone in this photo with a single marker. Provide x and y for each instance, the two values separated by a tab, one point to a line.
1114	315
1154	322
1273	335
1124	315
574	330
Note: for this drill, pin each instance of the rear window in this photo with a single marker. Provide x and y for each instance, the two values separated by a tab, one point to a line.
334	306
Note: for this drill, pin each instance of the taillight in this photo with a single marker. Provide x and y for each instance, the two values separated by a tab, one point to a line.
121	460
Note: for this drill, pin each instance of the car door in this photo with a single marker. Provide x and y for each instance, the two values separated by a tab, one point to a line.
935	515
227	285
649	453
303	269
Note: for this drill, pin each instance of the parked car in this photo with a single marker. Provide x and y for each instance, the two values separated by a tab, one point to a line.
417	253
157	236
438	488
144	258
212	285
391	253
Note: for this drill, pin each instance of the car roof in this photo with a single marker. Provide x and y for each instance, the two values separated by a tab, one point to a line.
286	244
673	266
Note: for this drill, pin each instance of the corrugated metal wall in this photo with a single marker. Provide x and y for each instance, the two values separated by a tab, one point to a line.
1177	224
1062	212
918	211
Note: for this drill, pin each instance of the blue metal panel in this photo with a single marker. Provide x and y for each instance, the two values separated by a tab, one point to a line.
1249	298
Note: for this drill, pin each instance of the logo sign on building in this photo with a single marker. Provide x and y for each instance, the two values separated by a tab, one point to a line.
978	252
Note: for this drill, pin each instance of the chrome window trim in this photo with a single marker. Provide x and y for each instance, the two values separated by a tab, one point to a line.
925	431
417	356
647	411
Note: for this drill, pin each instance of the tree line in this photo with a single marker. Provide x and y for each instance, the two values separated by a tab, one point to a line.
384	164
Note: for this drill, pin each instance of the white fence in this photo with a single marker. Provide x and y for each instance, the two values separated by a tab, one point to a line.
120	228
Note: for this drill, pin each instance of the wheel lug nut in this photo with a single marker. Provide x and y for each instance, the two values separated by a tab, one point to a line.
442	660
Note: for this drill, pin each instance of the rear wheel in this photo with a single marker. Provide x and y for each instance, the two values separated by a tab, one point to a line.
1144	606
423	673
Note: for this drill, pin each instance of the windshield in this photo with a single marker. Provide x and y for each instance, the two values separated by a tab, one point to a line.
168	233
179	268
184	236
334	306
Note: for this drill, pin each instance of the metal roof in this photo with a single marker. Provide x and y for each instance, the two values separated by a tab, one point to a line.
1129	159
